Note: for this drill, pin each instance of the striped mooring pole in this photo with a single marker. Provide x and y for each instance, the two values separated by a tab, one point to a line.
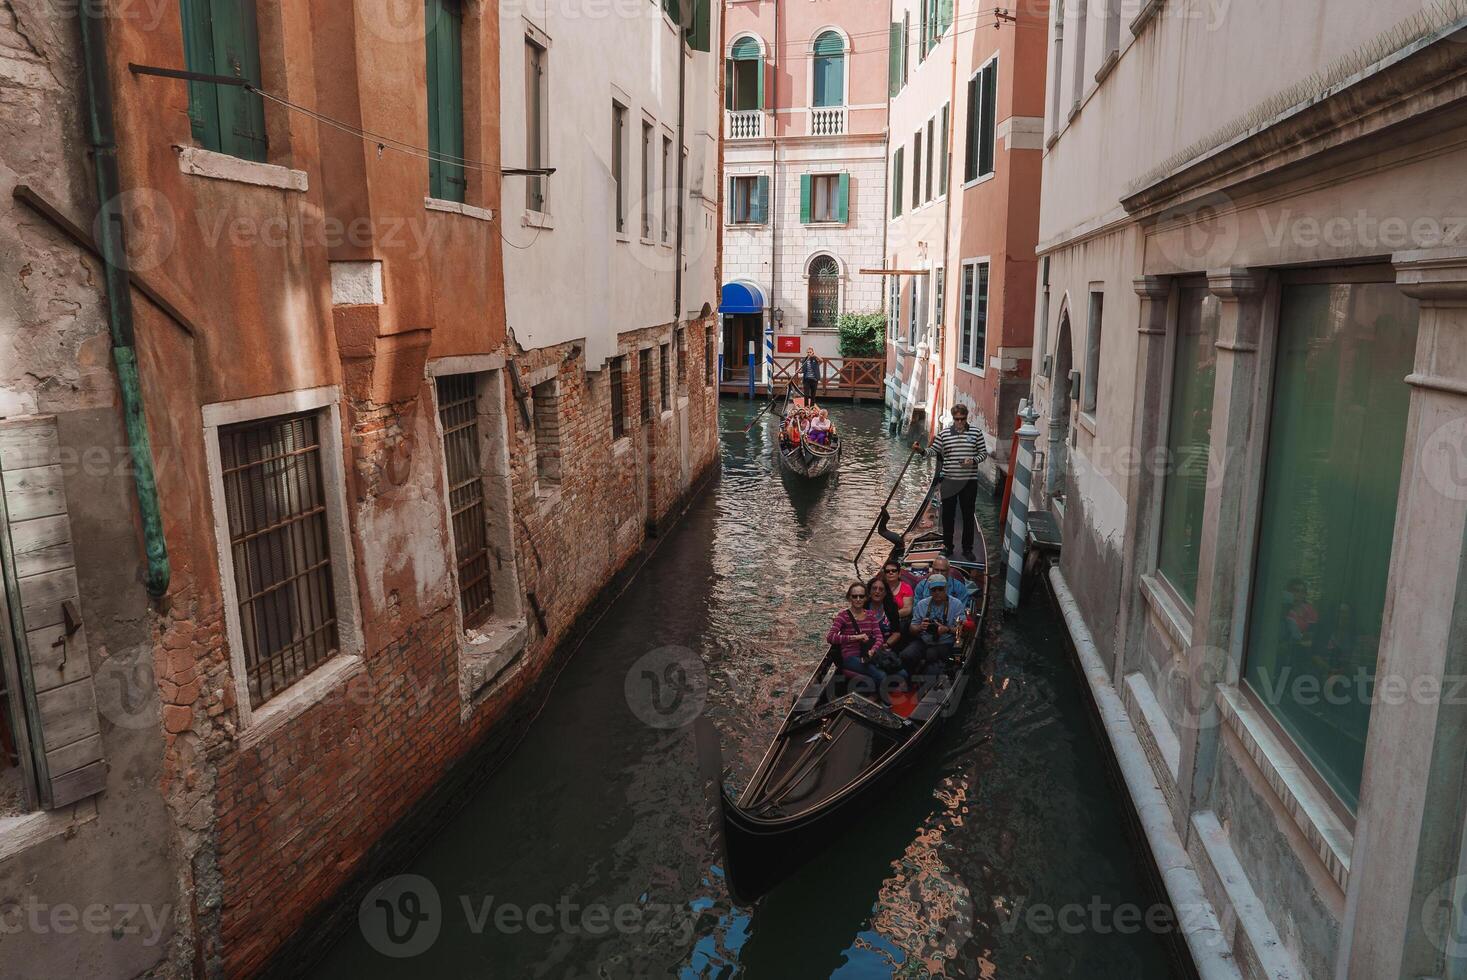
1018	528
769	359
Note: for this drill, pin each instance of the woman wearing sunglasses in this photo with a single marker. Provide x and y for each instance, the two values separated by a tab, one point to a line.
859	633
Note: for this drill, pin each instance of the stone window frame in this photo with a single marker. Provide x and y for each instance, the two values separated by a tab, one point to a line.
255	723
491	652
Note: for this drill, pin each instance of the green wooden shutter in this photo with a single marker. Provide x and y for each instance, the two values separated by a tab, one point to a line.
894	59
944	16
759	206
989	119
42	640
897	170
804	199
700	33
970	133
237	53
764	69
444	23
728	84
198	55
843	199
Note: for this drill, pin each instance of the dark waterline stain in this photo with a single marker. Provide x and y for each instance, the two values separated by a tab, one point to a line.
1002	854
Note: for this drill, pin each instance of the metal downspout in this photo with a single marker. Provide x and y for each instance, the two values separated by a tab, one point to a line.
111	237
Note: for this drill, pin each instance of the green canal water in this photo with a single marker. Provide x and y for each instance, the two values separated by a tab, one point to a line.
1002	854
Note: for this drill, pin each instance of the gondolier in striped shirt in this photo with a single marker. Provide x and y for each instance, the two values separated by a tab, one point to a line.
960	448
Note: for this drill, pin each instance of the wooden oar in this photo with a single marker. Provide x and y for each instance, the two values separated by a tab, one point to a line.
856	561
758	415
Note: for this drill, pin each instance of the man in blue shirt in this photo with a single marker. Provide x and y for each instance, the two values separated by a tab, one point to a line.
934	629
956	589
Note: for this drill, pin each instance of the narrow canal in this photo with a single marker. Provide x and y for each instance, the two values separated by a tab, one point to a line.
1003	854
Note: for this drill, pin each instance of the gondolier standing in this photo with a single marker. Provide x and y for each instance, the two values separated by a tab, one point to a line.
810	374
961	449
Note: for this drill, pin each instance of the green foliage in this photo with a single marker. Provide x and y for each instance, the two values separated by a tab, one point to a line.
862	334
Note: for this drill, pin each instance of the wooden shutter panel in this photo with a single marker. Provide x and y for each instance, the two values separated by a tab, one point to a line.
944	16
198	55
445	100
432	11
700	31
804	199
894	59
728	84
765	68
43	618
970	149
988	119
237	53
843	198
759	206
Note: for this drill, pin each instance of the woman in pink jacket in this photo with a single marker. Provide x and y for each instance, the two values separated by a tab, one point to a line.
860	633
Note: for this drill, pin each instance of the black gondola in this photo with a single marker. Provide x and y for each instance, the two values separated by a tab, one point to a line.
836	747
805	458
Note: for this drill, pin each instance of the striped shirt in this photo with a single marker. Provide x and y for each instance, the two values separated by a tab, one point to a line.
956	448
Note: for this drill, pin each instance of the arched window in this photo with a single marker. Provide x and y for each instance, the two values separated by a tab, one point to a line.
830	70
824	292
745	75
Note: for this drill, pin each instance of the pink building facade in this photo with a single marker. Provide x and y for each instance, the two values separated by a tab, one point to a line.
804	180
964	162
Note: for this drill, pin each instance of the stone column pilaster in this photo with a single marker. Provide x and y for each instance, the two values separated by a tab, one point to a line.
1406	862
1222	547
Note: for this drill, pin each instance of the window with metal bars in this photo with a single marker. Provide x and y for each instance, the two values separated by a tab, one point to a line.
662	359
280	549
708	358
618	400
644	382
546	400
682	358
458	416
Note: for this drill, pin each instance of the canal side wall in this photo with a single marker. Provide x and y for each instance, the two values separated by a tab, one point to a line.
1182	191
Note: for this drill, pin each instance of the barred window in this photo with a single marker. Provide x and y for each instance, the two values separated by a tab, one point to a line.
281	549
662	359
458	415
644	381
618	400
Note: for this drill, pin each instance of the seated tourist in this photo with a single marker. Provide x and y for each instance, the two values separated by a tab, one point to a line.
901	591
860	633
934	629
820	428
956	587
878	596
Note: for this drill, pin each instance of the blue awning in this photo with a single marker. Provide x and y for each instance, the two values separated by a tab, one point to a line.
741	296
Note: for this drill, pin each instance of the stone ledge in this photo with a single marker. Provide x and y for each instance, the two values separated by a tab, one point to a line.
1331	840
301	696
199	162
1251	933
1167	612
1154	729
486	653
458	207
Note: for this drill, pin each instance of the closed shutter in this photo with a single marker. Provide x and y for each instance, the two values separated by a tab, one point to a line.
43	616
989	118
759	207
700	31
894	60
898	170
843	198
970	149
198	55
445	100
805	199
728	84
944	16
764	69
237	53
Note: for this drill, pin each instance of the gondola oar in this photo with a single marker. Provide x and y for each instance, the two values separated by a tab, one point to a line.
758	415
883	513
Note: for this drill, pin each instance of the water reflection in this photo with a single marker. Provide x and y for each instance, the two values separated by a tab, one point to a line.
599	810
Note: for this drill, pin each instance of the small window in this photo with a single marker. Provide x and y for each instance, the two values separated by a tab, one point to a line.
545	398
644	381
535	128
982	107
824	198
668	180
939	288
220	37
973	339
618	398
745	82
829	65
648	138
916	170
708	358
893	307
1112	27
682	358
1090	388
280	549
664	388
824	298
942	150
898	171
912	312
1077	78
749	200
618	163
446	180
931	153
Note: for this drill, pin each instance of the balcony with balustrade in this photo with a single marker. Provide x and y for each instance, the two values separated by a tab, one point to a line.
828	120
745	124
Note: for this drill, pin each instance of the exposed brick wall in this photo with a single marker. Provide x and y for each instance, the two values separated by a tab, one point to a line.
283	824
